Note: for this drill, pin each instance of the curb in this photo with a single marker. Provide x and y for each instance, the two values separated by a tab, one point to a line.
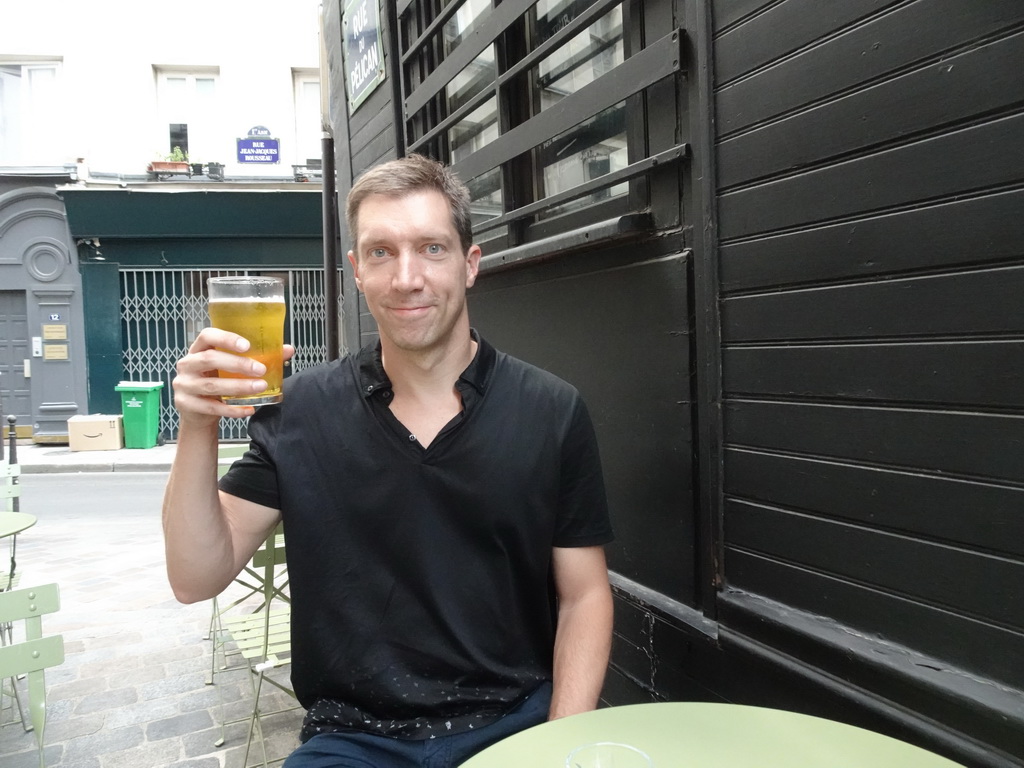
56	469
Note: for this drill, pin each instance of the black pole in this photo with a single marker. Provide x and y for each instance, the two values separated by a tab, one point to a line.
330	247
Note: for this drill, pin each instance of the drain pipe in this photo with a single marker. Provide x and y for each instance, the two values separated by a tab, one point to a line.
331	290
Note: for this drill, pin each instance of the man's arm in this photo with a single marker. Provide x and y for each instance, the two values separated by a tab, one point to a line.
584	635
209	536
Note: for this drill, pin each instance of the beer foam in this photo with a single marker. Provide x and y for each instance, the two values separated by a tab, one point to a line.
248	299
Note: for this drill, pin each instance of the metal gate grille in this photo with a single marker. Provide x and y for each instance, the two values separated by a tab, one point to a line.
162	310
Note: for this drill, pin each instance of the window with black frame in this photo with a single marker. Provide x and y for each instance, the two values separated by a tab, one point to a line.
539	105
596	146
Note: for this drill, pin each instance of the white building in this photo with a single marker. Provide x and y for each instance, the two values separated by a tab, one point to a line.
120	83
92	92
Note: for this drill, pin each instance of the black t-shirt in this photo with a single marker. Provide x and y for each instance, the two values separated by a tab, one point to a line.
422	599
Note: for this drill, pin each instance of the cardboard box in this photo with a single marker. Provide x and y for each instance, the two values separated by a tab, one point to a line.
97	432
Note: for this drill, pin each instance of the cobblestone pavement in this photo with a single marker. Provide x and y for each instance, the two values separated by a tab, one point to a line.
132	691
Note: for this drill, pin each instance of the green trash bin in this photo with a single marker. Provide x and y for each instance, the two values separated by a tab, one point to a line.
140	406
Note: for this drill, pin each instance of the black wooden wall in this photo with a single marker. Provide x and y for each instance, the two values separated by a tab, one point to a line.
620	334
870	169
809	395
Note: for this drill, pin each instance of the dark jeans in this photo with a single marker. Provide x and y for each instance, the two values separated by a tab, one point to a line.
364	750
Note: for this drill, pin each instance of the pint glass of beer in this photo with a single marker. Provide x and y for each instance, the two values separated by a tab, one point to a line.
252	307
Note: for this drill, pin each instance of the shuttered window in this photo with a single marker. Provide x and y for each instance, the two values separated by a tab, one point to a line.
542	109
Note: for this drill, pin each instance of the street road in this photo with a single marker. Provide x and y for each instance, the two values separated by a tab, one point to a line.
95	531
99	495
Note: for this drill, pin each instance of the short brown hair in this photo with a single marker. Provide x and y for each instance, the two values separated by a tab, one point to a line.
404	176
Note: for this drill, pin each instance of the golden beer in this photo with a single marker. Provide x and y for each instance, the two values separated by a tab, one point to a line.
260	320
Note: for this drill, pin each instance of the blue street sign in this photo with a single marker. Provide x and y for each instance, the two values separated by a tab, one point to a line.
259	150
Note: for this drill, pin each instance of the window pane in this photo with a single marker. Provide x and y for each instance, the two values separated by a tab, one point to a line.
478	128
307	119
552	15
178	137
593	52
30	115
311	92
204	89
475	78
596	146
463	21
10	102
174	98
587	151
41	81
486	199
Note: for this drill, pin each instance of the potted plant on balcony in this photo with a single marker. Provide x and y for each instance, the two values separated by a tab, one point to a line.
176	162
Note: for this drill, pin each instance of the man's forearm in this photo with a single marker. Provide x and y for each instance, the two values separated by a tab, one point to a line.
582	648
197	539
209	536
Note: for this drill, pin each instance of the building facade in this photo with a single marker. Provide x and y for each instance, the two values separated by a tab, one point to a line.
191	135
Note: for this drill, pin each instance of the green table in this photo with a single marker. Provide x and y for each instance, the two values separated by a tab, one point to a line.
702	735
12	523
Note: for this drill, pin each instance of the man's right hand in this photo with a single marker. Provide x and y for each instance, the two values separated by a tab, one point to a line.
197	387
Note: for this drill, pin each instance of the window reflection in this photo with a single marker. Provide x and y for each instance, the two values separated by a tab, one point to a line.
471	134
587	151
593	52
475	78
462	23
486	200
596	146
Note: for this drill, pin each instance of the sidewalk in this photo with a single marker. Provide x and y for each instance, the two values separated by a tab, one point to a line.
38	459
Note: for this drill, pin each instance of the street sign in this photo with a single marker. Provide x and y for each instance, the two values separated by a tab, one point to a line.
364	55
258	147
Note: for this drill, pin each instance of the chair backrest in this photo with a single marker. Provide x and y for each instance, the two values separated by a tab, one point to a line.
268	557
227	455
265	561
36	653
271	552
29	605
9	488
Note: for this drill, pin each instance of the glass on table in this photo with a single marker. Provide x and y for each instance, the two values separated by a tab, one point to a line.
252	307
608	754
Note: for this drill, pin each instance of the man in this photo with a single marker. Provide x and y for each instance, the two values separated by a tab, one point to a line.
443	506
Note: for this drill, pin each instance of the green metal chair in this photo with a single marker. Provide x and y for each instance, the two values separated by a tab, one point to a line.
259	632
263	639
9	488
10	491
35	653
250	579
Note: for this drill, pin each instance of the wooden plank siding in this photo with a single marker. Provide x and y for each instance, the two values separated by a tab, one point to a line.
805	364
870	189
625	344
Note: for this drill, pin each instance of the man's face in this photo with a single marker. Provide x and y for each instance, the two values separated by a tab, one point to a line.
410	266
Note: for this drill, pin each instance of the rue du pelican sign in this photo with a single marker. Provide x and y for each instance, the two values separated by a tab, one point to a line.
364	56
